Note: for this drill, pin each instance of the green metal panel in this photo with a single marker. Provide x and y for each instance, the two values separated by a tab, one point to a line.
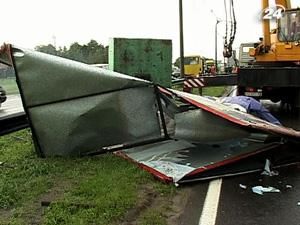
49	79
74	108
149	59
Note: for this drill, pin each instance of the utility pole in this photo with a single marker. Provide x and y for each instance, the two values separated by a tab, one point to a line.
181	40
216	44
54	41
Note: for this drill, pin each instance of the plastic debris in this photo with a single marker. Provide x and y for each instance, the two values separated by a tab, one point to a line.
288	186
261	190
298	203
1	163
267	170
243	186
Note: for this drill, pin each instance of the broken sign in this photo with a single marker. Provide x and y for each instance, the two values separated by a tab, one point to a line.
74	109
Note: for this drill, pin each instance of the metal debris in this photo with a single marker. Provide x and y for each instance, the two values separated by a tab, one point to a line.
243	186
267	169
261	190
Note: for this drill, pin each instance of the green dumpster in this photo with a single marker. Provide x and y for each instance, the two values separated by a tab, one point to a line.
149	59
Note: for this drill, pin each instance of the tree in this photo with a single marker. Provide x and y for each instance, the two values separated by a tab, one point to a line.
91	53
49	49
75	52
177	62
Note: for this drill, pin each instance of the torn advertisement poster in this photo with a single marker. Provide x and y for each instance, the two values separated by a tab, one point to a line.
75	109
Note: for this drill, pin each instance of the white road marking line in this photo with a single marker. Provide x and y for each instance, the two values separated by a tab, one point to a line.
211	203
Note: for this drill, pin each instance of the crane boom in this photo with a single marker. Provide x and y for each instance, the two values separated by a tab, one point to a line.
285	3
266	27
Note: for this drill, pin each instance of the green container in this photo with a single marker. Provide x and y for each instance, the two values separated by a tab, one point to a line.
149	59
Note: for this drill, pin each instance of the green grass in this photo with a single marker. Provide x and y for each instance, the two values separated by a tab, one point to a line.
10	86
89	190
206	91
211	91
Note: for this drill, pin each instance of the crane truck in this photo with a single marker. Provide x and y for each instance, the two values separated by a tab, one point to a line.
275	71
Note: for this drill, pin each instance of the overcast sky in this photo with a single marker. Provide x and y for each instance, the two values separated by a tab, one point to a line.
62	22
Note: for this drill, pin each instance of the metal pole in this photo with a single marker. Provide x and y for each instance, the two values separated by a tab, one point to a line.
216	45
181	40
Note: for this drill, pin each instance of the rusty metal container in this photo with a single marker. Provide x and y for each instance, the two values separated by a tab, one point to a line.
149	59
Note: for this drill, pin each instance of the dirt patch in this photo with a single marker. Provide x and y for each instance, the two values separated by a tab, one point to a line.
56	192
178	204
146	197
33	212
149	199
5	214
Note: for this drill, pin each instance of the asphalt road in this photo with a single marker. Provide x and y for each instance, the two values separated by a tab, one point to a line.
237	204
11	107
242	206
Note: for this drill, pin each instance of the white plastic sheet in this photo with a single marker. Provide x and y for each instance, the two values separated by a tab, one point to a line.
261	190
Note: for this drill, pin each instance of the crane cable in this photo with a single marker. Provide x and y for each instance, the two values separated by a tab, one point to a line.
227	52
233	26
226	23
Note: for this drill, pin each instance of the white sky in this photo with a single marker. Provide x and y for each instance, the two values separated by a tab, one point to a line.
34	22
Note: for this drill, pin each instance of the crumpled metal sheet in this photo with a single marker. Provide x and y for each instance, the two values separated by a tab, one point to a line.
173	160
201	126
237	117
207	136
91	123
46	79
74	108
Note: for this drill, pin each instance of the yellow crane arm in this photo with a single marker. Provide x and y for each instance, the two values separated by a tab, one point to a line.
266	26
285	3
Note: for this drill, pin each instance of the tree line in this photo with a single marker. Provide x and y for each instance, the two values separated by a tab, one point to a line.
90	53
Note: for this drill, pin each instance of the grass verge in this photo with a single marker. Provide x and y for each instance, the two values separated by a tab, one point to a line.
90	190
10	86
206	91
211	91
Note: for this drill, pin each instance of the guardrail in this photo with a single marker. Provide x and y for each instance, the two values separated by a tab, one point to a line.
207	81
13	123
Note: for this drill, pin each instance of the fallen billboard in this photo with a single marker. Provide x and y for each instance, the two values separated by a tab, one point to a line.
206	138
74	109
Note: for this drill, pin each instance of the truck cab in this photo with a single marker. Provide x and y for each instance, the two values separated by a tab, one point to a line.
193	65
